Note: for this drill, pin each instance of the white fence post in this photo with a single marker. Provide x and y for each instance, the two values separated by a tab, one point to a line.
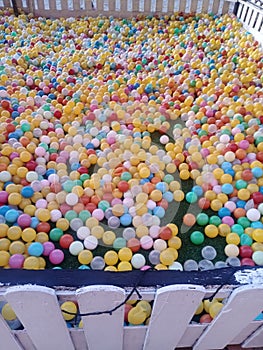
38	310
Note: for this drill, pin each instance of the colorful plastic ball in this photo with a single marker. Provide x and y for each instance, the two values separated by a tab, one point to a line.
209	252
35	249
31	263
75	248
146	242
65	241
138	261
191	197
85	257
197	237
69	306
190	265
27	192
211	231
16	261
257	257
91	242
231	250
48	247
253	214
111	257
189	220
97	263
8	313
202	219
56	257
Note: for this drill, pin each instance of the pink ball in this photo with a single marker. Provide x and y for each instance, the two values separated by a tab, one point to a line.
16	261
40	151
56	256
41	203
116	201
3	197
228	220
154	231
230	205
244	144
217	189
24	220
64	208
48	248
98	214
146	242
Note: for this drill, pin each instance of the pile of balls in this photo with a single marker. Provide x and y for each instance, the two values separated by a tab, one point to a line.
126	142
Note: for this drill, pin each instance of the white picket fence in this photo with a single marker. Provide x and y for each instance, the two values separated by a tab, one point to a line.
250	13
38	309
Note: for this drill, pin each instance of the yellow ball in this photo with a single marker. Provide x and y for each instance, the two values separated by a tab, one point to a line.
4	258
257	235
144	172
111	257
167	257
125	254
31	263
29	234
69	306
124	266
14	199
178	195
211	231
8	313
85	257
233	238
3	230
43	214
108	237
137	315
14	233
243	194
215	308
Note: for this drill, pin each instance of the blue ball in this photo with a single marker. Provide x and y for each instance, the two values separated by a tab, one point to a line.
224	212
227	188
257	172
4	209
34	222
198	190
84	267
161	186
35	249
27	192
168	196
11	215
159	211
126	219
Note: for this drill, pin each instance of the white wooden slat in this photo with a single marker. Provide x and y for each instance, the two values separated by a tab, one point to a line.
242	336
259	21
24	339
101	298
134	337
78	338
172	311
38	310
244	304
248	17
192	333
243	14
239	10
255	340
253	18
7	339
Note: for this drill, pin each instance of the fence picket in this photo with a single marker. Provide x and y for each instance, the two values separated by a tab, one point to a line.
218	334
255	340
24	339
172	311
78	338
38	310
245	333
134	337
192	333
101	298
7	339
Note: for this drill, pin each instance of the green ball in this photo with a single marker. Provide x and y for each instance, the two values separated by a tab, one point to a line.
245	239
237	228
126	176
202	219
55	234
168	178
104	205
197	237
244	222
119	243
70	215
84	177
240	184
84	215
215	220
191	197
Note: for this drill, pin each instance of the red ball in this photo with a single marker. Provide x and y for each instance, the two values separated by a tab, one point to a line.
245	251
127	308
123	186
43	227
134	244
31	165
257	197
247	262
203	203
66	240
165	233
91	207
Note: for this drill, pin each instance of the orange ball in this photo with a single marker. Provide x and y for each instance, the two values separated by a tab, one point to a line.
189	219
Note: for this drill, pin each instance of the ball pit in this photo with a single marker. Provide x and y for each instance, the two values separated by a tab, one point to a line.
130	143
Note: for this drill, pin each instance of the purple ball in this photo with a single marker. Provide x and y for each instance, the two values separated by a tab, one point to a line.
48	248
114	222
56	256
24	220
16	261
228	220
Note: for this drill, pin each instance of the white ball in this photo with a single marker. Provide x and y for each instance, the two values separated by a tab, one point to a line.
83	232
253	214
91	242
5	176
72	199
176	266
75	248
138	261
